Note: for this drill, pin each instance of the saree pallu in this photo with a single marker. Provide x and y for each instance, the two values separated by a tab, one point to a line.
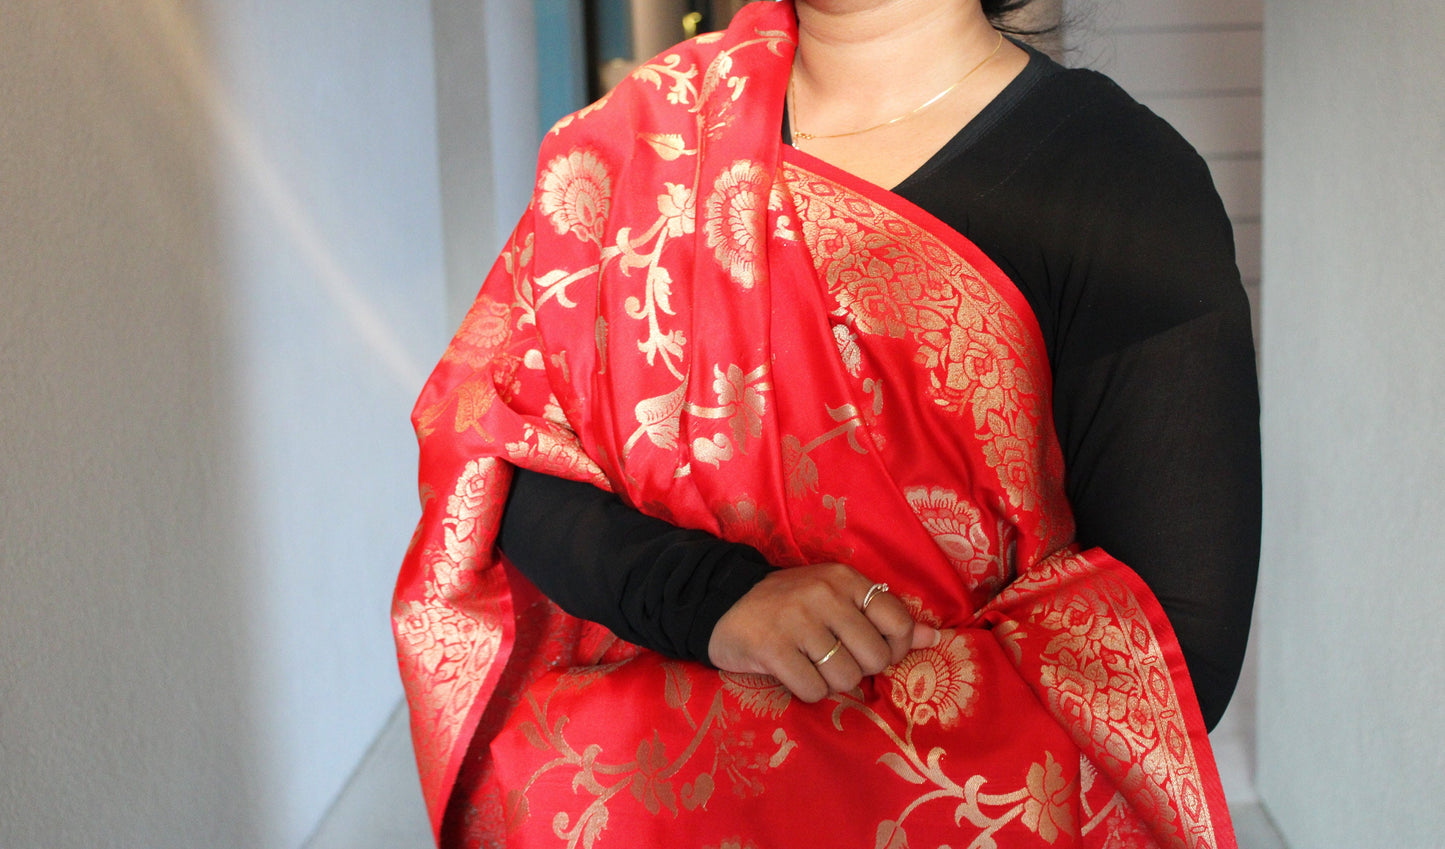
734	336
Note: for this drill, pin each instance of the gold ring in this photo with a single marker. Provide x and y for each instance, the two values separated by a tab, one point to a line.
872	593
837	644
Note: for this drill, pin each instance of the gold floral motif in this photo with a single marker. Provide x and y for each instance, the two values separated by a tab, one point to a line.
1096	669
891	277
679	207
935	683
743	393
649	783
485	329
555	450
654	775
444	644
742	520
736	221
742	400
1049	808
957	526
576	194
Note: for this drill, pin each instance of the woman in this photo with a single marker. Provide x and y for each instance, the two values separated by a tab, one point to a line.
753	341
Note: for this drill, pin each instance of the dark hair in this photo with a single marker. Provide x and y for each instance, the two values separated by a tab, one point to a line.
998	12
999	8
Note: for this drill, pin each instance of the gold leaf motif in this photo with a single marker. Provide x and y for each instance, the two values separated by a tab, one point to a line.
599	334
474	399
801	471
669	146
895	762
696	793
761	694
848	349
891	836
678	687
659	419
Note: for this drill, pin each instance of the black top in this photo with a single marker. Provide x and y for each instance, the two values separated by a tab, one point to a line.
1109	224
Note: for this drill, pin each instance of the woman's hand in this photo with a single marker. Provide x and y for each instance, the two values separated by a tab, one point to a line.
794	618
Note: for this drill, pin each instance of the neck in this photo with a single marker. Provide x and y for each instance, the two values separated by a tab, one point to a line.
860	59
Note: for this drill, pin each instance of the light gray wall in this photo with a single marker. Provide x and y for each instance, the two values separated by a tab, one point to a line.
486	71
220	285
1352	681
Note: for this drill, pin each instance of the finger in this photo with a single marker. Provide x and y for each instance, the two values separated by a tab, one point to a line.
891	618
797	672
839	669
866	645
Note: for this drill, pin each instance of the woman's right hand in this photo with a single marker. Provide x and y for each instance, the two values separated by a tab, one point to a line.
794	617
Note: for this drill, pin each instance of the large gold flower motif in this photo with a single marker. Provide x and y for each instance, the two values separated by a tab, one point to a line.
485	328
935	683
957	526
577	194
742	520
736	220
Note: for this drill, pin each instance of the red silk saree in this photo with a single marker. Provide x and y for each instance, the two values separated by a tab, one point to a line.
737	337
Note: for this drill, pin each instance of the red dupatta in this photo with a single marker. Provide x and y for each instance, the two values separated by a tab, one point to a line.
737	337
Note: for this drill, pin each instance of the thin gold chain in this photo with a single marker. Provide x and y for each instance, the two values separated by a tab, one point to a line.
799	135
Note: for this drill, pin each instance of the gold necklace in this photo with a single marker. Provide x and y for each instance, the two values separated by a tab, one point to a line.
799	135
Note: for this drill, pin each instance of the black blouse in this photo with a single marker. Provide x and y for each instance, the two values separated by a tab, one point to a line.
1109	224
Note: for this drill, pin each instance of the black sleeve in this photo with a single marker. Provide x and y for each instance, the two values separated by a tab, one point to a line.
1156	403
650	582
1109	224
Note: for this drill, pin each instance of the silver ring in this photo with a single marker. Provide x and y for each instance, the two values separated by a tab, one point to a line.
872	593
837	644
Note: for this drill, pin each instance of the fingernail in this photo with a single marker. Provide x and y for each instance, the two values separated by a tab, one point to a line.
937	638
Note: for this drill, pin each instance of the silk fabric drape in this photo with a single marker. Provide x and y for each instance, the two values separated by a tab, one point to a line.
737	337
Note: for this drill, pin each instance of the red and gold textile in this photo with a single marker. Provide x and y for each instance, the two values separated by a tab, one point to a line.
737	337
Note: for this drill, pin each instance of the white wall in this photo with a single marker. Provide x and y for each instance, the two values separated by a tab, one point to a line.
1352	683
220	285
